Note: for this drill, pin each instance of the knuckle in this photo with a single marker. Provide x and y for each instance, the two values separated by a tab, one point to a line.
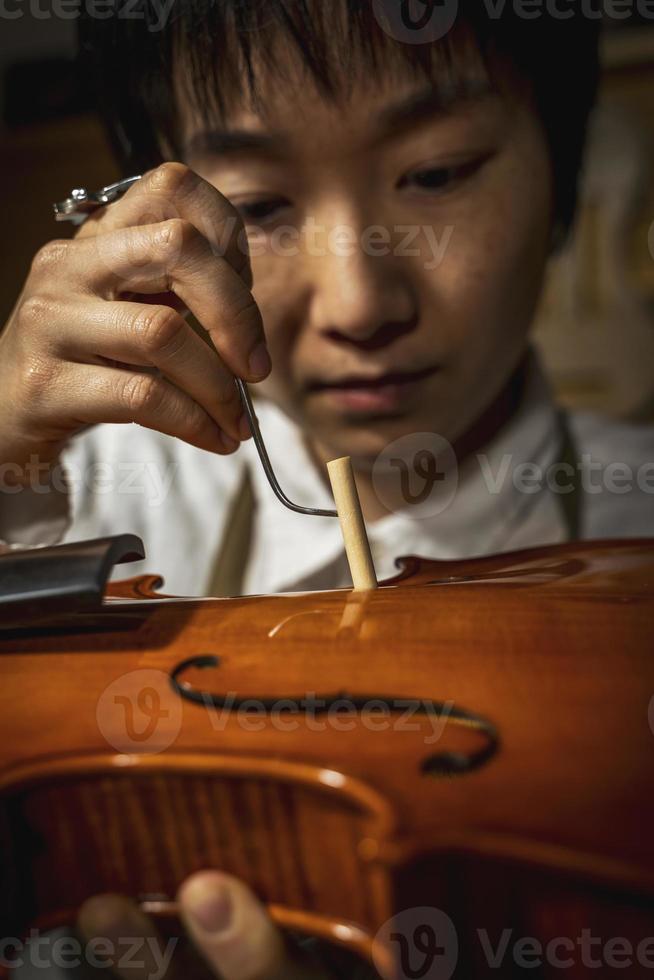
243	266
50	256
232	244
38	379
223	216
34	311
170	177
245	315
195	421
140	393
175	234
160	328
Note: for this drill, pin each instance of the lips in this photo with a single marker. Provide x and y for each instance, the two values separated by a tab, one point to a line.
356	382
378	395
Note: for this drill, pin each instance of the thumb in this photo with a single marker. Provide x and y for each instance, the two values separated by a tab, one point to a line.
232	930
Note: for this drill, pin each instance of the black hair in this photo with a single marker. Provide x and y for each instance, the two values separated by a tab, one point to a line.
221	45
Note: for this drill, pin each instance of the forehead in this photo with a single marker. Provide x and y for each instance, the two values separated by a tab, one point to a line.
284	86
288	102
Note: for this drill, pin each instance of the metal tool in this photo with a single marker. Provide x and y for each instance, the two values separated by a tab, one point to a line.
76	208
81	203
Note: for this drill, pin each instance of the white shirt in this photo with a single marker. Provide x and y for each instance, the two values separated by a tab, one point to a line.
177	499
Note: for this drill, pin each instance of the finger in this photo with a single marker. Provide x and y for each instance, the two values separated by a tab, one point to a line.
103	394
235	935
173	190
160	299
121	937
173	256
154	336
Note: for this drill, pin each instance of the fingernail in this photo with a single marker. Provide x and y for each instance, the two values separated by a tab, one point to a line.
244	429
260	363
212	911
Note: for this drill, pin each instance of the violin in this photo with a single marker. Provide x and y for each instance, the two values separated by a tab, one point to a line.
466	750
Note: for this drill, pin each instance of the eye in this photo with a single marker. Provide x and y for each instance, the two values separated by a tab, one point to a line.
432	178
261	210
435	179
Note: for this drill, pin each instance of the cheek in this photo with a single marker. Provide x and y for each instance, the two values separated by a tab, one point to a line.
276	294
273	293
491	276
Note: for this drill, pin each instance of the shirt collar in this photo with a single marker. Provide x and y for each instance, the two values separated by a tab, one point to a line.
290	548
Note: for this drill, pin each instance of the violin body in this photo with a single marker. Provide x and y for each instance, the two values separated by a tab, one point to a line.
475	737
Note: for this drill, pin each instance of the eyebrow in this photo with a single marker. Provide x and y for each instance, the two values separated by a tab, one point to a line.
421	106
231	142
428	104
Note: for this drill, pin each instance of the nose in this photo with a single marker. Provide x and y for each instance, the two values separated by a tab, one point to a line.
361	294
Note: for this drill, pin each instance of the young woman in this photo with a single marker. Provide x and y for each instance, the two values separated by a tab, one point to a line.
353	213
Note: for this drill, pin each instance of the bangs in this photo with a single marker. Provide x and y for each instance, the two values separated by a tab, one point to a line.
211	56
246	49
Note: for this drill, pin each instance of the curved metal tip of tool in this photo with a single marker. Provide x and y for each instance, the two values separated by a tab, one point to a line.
265	459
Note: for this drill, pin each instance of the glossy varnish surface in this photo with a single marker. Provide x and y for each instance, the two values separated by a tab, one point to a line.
552	647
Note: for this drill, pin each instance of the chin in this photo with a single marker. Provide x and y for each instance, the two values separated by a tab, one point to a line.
363	439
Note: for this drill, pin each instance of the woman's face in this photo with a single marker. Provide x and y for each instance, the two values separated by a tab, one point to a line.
398	245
